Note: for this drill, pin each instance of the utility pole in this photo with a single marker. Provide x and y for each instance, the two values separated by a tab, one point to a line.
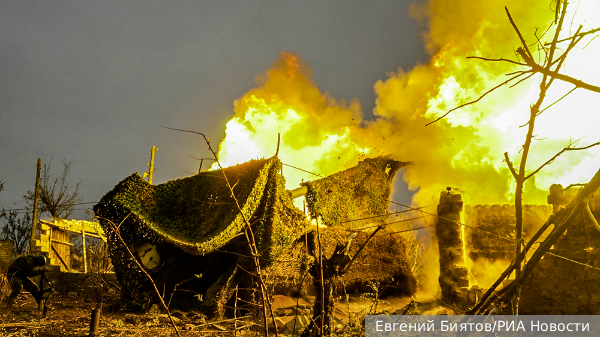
151	164
35	206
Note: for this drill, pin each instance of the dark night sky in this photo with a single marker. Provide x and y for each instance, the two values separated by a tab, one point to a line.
92	82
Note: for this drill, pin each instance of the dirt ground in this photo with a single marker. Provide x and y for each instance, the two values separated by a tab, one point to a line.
71	317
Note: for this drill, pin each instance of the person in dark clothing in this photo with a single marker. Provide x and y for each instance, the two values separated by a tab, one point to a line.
18	274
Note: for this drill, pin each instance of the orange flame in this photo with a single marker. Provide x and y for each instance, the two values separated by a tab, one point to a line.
465	150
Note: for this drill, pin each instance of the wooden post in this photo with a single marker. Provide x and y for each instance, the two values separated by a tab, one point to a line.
83	242
35	206
151	171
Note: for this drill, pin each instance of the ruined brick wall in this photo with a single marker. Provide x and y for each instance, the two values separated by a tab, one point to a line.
499	220
557	286
561	287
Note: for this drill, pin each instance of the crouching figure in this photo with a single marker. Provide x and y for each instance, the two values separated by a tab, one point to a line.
18	274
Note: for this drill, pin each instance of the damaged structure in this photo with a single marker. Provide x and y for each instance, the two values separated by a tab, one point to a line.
486	238
188	233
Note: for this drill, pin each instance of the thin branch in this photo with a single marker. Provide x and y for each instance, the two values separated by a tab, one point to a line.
496	60
577	35
178	284
480	97
555	39
521	80
558	100
519	33
200	158
322	318
115	229
560	61
592	218
568	148
546	108
565	78
571	45
249	236
510	165
380	227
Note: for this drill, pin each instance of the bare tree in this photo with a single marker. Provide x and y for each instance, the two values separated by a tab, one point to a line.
57	196
17	229
14	228
549	66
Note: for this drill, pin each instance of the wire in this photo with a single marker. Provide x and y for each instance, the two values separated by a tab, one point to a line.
457	222
382	215
415	209
576	262
297	168
408	230
39	208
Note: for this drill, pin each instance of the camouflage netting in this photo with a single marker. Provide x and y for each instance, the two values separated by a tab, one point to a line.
196	216
196	228
359	192
384	260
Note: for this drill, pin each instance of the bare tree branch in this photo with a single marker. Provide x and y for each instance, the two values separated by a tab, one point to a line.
115	229
521	80
497	60
57	197
568	148
480	97
558	100
577	35
572	44
249	237
528	53
510	165
565	78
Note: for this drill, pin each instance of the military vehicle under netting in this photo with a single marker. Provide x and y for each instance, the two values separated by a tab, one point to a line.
188	234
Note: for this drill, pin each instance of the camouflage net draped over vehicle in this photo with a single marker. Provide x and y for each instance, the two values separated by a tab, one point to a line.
359	192
198	214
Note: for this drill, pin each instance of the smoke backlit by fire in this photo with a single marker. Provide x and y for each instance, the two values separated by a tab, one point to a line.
465	150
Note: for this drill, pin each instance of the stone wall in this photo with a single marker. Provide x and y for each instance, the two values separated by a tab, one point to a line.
558	285
453	280
487	225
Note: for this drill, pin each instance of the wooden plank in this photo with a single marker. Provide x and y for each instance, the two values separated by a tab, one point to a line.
37	325
62	243
75	226
91	228
59	257
83	243
60	248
